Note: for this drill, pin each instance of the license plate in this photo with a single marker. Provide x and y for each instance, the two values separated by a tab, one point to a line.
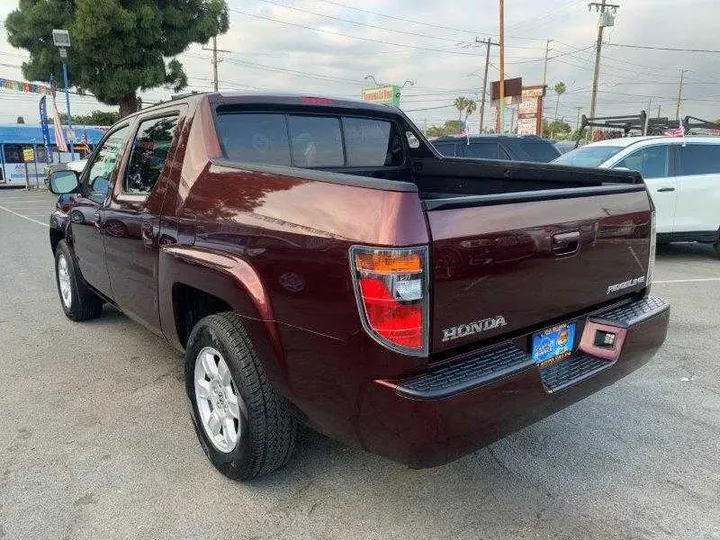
553	344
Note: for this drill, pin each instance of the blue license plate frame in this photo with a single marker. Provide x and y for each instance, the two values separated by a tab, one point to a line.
553	344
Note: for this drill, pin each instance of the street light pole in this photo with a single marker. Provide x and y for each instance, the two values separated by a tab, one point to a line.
61	39
67	103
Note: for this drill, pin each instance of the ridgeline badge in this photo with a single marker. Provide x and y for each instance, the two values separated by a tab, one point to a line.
465	330
625	284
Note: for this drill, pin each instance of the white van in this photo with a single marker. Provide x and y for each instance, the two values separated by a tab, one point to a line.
682	174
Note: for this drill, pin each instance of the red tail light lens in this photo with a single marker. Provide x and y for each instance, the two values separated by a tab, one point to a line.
391	289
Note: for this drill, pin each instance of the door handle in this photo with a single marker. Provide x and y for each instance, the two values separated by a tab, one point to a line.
566	243
665	189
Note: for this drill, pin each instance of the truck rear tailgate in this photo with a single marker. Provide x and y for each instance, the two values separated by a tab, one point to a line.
507	266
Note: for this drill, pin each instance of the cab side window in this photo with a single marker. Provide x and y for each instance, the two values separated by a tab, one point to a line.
149	153
446	149
483	150
651	162
99	176
699	159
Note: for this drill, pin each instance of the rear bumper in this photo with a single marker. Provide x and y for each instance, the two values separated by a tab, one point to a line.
439	416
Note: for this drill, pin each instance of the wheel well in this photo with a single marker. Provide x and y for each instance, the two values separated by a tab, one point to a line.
55	237
191	305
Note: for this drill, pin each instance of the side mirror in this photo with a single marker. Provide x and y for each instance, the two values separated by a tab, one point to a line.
62	182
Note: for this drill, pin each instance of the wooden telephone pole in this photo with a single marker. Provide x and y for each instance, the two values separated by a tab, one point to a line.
605	20
502	66
488	43
679	100
215	60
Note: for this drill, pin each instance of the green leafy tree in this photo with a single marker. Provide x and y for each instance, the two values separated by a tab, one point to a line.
470	107
451	127
117	46
559	89
460	104
95	118
556	129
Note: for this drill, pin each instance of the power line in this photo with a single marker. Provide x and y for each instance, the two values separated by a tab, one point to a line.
422	23
671	49
331	32
367	25
552	13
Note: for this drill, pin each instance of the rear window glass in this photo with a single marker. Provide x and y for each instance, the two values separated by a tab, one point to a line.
588	156
539	151
255	138
316	141
372	143
699	159
310	140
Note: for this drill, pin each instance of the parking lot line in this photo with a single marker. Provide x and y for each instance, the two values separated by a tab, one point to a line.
698	280
24	217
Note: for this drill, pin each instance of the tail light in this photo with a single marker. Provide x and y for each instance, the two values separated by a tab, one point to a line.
391	288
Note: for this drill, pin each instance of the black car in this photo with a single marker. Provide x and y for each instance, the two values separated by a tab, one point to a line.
509	147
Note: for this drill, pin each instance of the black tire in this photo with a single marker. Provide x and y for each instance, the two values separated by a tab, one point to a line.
716	245
83	303
267	430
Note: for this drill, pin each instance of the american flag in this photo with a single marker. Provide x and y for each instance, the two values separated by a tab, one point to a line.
677	132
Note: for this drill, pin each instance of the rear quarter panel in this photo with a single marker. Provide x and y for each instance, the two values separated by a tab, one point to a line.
295	235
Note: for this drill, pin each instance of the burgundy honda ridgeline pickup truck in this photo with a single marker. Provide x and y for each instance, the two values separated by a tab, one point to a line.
319	262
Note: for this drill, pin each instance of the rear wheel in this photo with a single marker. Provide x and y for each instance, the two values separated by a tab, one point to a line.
242	424
77	299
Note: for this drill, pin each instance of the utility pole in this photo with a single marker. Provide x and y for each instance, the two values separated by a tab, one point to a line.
606	19
659	109
544	83
487	42
547	52
682	78
215	60
577	122
502	66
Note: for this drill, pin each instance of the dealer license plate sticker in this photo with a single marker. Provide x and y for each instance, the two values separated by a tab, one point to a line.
553	344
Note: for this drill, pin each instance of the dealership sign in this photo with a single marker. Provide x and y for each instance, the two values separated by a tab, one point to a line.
383	94
530	110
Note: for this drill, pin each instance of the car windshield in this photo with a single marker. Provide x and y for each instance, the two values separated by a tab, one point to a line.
588	156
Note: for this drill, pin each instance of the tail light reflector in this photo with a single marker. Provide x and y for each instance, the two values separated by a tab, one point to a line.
391	289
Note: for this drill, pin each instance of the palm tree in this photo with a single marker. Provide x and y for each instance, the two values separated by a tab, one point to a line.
460	104
470	107
560	89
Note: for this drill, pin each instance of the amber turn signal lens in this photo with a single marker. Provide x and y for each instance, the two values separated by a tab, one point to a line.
387	262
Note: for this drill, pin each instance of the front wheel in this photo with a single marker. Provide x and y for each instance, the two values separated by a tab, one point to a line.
241	422
78	301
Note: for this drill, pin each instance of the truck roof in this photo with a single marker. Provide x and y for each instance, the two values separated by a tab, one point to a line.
285	98
624	142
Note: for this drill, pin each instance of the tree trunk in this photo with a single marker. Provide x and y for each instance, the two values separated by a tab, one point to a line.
128	104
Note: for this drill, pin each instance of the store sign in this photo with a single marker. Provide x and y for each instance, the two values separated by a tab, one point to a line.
28	155
530	110
383	94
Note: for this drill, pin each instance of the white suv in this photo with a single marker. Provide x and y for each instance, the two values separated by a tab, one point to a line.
683	176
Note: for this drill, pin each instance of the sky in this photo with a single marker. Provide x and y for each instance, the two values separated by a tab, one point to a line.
328	47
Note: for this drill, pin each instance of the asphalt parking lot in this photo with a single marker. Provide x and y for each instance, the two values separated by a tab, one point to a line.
96	441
